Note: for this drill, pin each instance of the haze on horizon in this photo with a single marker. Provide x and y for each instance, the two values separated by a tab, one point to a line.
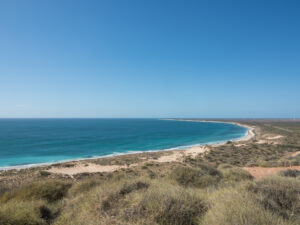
149	59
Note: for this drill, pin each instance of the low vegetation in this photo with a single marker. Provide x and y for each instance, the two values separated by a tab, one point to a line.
195	177
234	175
273	200
280	195
172	205
50	191
236	206
290	173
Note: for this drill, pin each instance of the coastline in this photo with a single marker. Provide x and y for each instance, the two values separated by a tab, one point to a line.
192	151
250	130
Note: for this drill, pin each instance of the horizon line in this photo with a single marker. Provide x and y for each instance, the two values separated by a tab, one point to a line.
245	118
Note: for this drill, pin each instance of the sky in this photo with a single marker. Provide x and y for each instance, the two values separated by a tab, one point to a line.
152	58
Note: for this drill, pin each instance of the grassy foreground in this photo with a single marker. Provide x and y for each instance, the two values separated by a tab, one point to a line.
210	189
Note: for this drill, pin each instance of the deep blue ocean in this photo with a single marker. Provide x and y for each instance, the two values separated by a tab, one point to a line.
35	141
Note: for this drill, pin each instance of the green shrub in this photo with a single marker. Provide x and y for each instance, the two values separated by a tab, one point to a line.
21	213
111	202
171	205
236	207
233	175
151	174
49	190
289	173
125	189
279	194
69	165
284	161
3	189
128	188
84	175
135	202
45	173
46	213
195	177
208	168
83	186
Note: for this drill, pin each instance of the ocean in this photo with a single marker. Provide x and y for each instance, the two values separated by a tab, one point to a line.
25	142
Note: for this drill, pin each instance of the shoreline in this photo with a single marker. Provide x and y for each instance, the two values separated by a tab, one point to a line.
191	149
250	132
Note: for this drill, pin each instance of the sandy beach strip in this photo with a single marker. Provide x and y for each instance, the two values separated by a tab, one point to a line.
84	166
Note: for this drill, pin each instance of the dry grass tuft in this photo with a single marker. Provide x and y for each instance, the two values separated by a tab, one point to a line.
279	194
232	206
51	191
234	175
195	177
171	205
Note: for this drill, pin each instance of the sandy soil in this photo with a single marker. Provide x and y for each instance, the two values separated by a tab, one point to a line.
295	154
268	142
272	137
83	167
194	151
260	172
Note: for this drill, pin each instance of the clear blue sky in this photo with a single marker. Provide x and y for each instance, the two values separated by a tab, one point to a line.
151	58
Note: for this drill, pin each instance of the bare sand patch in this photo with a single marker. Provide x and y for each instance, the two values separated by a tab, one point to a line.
261	142
275	137
295	154
239	145
85	168
260	172
194	151
178	155
270	139
169	158
272	136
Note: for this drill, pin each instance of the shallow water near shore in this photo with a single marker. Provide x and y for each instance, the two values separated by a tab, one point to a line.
38	141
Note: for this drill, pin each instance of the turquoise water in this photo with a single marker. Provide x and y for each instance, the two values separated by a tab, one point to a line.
35	141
